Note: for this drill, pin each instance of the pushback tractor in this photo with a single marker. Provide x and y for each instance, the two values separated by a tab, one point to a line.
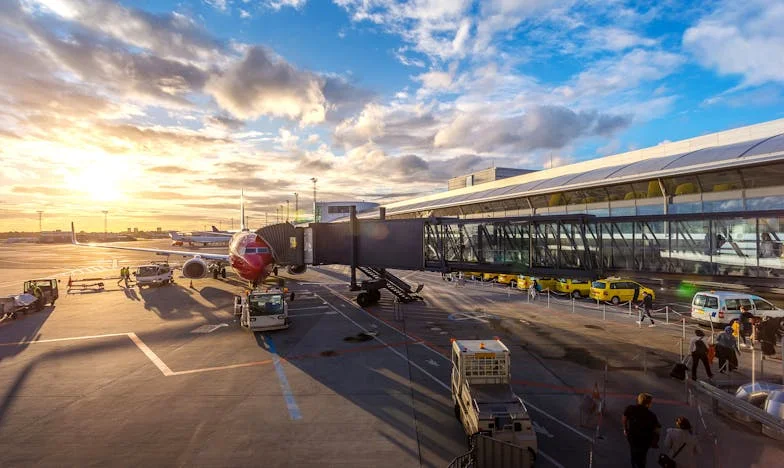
263	309
483	397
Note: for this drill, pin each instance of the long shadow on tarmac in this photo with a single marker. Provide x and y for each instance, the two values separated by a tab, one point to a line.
24	328
176	302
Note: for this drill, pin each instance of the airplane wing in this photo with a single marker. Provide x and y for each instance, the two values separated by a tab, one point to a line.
181	253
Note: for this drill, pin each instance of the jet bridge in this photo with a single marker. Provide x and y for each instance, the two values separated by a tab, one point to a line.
742	247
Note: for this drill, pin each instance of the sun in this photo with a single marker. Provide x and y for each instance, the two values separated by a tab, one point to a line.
100	180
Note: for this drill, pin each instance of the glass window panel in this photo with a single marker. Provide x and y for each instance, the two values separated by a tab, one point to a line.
765	203
539	201
595	175
650	209
647	165
716	153
735	246
720	181
601	212
771	145
622	210
685	185
555	182
619	192
685	207
722	205
763	176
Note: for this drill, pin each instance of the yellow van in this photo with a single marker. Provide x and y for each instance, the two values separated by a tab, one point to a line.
617	290
574	287
472	275
489	276
507	279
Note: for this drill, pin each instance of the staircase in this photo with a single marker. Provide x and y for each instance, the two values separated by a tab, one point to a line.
399	288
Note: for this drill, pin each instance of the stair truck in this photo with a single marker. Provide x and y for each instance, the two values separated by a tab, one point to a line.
483	397
263	309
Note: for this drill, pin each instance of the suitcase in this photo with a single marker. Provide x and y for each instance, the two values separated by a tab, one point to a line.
679	371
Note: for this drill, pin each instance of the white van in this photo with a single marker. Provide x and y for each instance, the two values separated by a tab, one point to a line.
723	307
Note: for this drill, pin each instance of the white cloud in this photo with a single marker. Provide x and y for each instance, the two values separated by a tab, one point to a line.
617	39
278	4
244	14
741	38
221	5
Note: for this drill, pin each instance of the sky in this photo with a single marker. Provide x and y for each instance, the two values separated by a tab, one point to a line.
161	112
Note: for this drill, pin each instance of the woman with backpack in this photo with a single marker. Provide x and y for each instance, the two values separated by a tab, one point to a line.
699	352
680	446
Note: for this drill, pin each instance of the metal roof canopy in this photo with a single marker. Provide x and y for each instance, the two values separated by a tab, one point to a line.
735	155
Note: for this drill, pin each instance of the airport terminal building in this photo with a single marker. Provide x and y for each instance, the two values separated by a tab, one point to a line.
707	206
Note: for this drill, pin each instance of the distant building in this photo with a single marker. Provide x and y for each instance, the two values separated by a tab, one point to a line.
326	212
129	229
135	230
485	175
51	237
158	229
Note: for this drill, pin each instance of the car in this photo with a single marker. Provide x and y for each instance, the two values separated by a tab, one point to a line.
576	288
509	279
546	282
153	274
472	275
723	307
617	290
489	276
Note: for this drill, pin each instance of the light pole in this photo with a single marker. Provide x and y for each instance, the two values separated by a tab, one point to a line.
277	215
287	211
280	210
40	214
105	224
266	219
296	207
314	180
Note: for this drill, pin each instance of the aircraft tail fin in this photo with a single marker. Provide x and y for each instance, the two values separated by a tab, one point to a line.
243	227
73	234
215	229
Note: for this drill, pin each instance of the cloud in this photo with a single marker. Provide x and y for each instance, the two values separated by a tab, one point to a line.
543	127
167	34
43	190
170	170
405	126
278	4
616	39
741	38
264	84
225	122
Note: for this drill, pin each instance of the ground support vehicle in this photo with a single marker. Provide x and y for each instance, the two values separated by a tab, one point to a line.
524	282
32	298
482	394
723	307
153	274
263	309
617	290
508	279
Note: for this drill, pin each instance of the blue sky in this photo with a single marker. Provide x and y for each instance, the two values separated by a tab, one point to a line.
161	111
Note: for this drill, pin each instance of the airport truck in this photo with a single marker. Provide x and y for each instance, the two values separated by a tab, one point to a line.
35	295
483	397
153	274
263	309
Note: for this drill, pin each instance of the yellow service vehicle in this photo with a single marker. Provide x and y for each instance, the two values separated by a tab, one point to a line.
617	290
489	276
472	275
574	287
546	282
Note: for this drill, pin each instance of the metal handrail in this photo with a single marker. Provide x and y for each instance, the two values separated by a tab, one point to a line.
740	406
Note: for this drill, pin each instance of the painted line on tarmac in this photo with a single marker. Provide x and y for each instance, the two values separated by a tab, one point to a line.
54	340
150	355
288	396
539	453
432	377
442	356
314	314
309	308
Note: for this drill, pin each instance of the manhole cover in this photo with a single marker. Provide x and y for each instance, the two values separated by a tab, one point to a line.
359	337
594	327
329	353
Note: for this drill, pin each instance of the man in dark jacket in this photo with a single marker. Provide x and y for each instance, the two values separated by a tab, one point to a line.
647	306
641	428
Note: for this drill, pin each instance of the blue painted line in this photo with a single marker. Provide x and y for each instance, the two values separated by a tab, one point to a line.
288	396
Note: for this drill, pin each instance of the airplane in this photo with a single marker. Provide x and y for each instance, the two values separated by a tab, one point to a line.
249	255
180	238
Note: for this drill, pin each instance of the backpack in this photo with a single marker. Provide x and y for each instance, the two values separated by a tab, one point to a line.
700	347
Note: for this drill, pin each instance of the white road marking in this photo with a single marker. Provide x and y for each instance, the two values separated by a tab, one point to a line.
150	355
209	328
447	360
415	365
309	308
313	314
54	340
432	362
539	453
542	430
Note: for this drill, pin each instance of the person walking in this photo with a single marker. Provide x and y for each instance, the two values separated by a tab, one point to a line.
726	347
127	276
122	276
681	445
769	332
699	353
647	306
641	428
745	326
533	290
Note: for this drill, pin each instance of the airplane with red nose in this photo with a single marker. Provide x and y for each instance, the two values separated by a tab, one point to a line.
249	255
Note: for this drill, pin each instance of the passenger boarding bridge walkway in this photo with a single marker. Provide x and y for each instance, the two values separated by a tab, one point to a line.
729	246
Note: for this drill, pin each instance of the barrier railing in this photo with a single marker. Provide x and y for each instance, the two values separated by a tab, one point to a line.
725	401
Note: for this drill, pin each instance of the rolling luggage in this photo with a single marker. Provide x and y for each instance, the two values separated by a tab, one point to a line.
679	370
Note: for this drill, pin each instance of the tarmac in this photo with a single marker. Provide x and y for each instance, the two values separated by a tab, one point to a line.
166	376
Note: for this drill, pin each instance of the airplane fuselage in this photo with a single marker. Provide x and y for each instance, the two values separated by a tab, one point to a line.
250	256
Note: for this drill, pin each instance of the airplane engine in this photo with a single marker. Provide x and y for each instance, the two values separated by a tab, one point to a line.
195	268
296	269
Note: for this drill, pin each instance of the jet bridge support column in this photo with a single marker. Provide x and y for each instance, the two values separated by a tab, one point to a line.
354	247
